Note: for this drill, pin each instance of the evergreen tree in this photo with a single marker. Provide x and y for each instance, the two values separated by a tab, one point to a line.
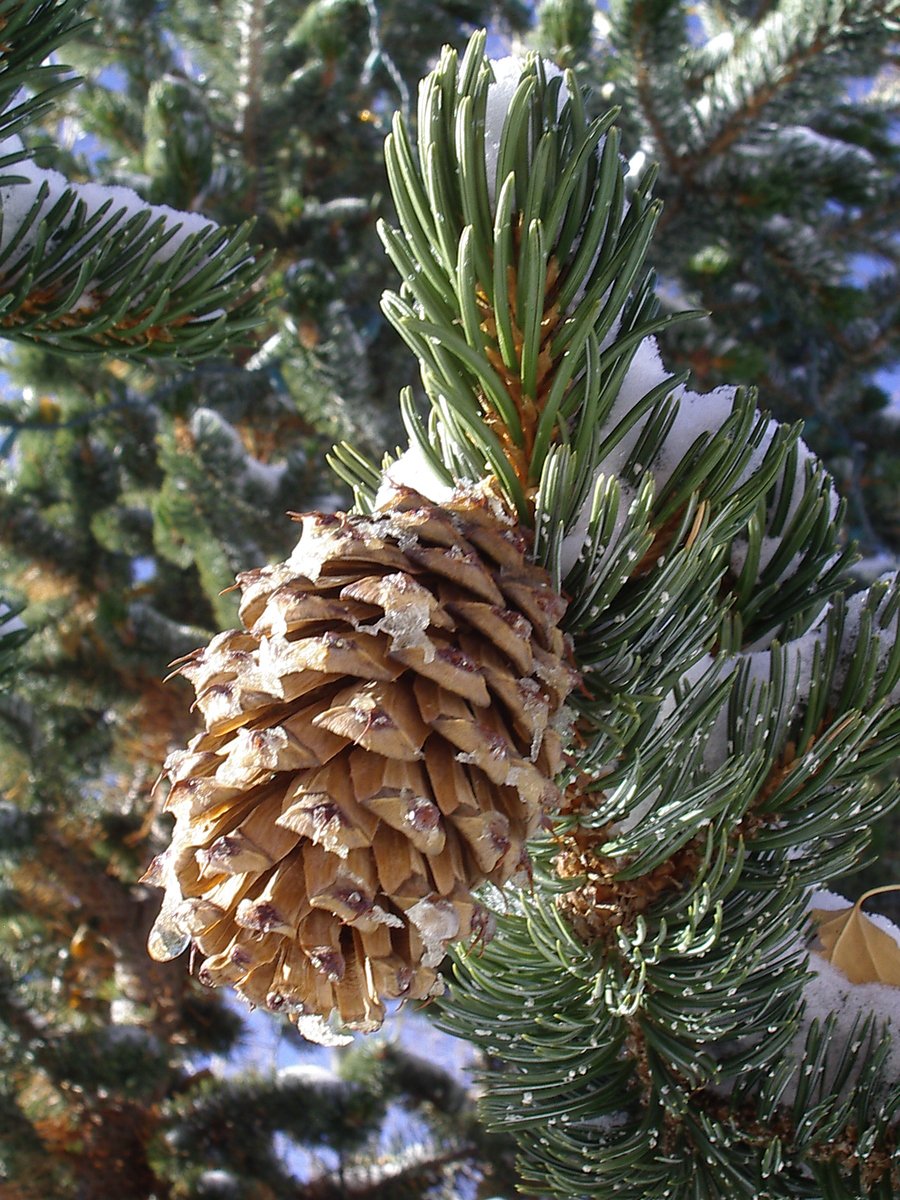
653	1020
136	490
143	468
772	129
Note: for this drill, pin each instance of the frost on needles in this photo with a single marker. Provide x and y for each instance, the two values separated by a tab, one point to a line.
657	1018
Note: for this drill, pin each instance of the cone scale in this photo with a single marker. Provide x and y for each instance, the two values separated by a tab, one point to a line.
380	738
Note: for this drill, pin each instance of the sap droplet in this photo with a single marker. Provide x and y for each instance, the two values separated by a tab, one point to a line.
167	940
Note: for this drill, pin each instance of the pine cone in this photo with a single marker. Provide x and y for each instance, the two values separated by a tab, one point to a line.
380	738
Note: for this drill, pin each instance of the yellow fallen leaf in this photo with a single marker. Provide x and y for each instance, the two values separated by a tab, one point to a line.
854	944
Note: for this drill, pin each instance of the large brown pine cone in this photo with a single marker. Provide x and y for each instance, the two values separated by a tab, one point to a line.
381	737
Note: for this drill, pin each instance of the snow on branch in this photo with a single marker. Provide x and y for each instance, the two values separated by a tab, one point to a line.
91	267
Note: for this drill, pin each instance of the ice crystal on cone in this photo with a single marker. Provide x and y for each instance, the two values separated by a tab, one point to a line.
379	739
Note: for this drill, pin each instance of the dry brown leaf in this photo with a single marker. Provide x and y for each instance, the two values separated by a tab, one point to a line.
853	943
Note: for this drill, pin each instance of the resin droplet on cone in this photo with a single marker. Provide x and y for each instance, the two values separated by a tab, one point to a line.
381	737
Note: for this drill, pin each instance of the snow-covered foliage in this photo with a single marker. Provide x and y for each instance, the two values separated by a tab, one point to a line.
30	192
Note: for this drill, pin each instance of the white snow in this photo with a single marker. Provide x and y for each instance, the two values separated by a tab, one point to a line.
698	413
437	922
806	462
206	422
507	74
828	992
413	470
40	190
801	137
322	1032
9	624
311	1073
645	372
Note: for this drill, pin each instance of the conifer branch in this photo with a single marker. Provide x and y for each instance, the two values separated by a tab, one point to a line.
761	69
96	270
412	1172
589	610
32	30
647	93
504	310
87	268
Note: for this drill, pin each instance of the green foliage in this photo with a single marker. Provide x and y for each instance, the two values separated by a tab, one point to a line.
454	255
139	475
719	775
32	31
86	270
777	169
134	488
564	30
178	142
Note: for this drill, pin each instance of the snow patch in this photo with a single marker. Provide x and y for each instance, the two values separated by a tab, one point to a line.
645	372
698	414
507	74
9	624
206	423
437	922
828	993
317	1029
25	205
412	470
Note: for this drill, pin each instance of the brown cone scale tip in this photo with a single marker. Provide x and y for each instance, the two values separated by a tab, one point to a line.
380	738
